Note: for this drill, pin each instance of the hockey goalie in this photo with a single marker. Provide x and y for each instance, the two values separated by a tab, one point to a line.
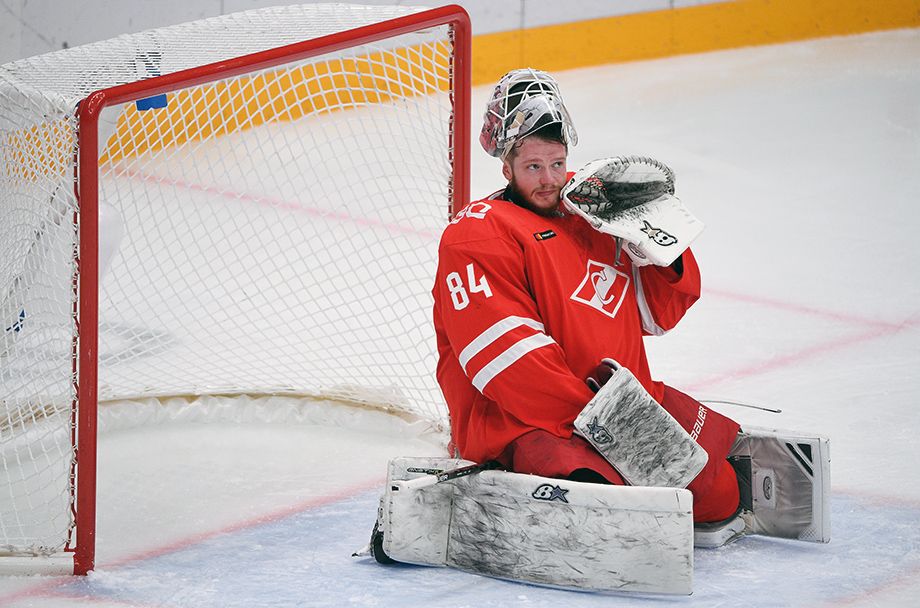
573	466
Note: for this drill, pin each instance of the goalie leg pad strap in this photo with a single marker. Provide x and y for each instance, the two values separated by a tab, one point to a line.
786	482
642	441
547	531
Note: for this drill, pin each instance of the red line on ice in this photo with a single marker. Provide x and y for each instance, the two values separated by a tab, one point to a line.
267	518
274	203
48	588
799	308
755	369
902	581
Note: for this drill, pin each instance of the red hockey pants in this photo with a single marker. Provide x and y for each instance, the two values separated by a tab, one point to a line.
715	489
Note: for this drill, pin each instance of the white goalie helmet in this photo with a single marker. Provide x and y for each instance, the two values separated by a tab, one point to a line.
523	102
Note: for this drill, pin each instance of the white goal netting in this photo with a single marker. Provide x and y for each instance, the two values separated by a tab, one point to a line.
271	232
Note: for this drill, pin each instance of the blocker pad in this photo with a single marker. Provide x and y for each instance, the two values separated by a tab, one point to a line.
643	442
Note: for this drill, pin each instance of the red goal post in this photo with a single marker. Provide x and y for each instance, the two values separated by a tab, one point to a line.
261	122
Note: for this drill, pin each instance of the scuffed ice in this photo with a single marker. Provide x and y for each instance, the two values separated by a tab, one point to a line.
305	560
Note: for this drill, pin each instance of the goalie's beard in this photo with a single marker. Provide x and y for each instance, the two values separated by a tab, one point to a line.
513	194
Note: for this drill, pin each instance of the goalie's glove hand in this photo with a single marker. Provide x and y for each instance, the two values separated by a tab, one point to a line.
631	198
601	374
607	187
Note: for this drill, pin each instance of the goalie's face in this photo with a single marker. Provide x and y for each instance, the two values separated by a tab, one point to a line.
536	169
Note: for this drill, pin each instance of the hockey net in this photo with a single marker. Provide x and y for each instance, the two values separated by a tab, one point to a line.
265	191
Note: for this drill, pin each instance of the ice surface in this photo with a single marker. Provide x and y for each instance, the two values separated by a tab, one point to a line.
803	161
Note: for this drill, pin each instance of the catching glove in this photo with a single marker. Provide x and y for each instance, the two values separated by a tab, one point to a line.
632	199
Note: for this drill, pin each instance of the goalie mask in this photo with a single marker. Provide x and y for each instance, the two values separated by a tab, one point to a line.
523	102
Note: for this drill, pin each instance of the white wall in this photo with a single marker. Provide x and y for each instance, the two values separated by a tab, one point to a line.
32	27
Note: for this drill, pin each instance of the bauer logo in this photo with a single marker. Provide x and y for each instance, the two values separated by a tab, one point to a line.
542	236
546	491
603	288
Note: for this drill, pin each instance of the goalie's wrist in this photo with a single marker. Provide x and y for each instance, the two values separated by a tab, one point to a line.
674	271
678	266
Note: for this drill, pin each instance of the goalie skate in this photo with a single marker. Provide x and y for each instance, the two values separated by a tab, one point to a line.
719	533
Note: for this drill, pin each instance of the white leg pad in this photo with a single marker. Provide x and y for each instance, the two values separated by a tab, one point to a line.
643	442
790	482
543	531
415	523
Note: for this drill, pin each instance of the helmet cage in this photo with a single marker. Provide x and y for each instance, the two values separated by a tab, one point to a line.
523	102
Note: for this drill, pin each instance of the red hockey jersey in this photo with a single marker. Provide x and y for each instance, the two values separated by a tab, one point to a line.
526	306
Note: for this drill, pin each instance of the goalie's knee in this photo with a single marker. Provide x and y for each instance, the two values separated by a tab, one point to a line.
718	499
541	453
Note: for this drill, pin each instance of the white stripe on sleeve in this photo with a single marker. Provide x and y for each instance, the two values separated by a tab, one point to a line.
648	320
512	354
492	334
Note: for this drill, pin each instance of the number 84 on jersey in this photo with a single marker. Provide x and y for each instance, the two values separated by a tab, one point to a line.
461	290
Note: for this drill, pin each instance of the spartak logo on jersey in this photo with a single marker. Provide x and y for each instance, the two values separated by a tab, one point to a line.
603	288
